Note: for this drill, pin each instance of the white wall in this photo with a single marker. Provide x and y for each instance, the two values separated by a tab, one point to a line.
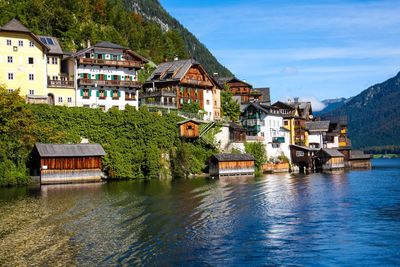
208	108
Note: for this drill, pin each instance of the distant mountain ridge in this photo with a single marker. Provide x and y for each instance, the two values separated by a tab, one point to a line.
152	10
331	104
373	115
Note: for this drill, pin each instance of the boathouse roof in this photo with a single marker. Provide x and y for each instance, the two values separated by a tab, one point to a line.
334	153
234	157
189	120
358	154
70	150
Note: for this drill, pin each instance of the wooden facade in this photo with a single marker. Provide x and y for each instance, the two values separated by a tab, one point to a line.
303	157
231	165
66	163
329	159
189	129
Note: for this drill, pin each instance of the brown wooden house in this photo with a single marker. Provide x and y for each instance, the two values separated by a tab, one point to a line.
189	129
67	163
303	157
176	83
232	165
329	159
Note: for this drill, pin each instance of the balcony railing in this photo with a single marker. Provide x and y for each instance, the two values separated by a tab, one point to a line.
197	82
158	94
278	139
254	138
159	105
91	82
60	83
107	62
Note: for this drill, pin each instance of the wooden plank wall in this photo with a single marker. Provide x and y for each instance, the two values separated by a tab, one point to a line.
71	163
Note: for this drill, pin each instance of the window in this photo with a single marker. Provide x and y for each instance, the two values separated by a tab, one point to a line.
31	77
30	60
10	90
69	99
115	94
85	93
31	92
11	76
276	145
8	42
54	60
60	100
102	107
55	78
48	60
31	44
10	59
102	94
20	43
114	57
286	123
208	102
130	95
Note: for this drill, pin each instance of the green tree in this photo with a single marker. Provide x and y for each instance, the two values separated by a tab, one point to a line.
191	108
230	107
257	150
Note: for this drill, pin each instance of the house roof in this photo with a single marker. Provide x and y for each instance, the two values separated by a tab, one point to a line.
267	109
106	44
14	26
358	154
52	43
70	150
236	126
234	157
223	80
317	126
304	148
334	153
189	120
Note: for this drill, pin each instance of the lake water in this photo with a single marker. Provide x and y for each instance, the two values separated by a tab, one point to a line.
349	218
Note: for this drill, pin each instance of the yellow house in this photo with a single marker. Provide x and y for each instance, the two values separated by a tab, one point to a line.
60	82
33	64
23	62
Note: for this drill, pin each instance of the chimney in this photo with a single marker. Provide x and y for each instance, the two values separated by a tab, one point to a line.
88	43
176	58
296	100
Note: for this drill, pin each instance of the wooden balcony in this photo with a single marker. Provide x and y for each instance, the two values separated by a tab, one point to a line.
194	82
254	138
90	82
158	94
60	83
111	63
160	105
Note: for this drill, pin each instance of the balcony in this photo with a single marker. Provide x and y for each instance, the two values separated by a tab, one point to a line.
255	138
90	82
60	83
279	139
160	105
111	63
158	94
197	83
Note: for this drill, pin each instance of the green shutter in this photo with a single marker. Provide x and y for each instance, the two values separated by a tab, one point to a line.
98	93
90	92
105	93
119	94
81	92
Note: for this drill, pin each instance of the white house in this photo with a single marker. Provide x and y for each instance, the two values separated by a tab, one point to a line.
107	76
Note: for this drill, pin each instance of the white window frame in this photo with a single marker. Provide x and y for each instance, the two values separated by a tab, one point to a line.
9	42
31	77
60	99
10	61
31	91
69	99
10	76
20	43
54	60
10	90
33	60
31	44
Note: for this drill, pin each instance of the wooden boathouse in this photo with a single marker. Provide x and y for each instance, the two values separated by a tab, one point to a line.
230	165
329	159
303	157
189	129
67	163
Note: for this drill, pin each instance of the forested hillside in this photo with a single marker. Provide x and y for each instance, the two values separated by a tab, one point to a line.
152	10
75	23
374	118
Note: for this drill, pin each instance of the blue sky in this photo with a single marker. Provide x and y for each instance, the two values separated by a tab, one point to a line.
312	49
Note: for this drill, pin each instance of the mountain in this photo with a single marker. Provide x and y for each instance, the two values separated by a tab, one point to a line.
152	10
374	115
330	105
142	25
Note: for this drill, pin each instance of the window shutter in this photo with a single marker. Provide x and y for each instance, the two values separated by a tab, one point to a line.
105	93
90	92
81	92
98	93
119	94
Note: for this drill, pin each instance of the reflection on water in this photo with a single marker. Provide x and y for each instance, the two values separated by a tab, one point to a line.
342	218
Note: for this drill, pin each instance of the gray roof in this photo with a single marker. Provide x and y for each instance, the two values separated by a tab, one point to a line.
358	154
317	126
54	46
223	80
106	44
177	69
267	109
14	25
304	148
70	150
332	152
192	120
234	157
